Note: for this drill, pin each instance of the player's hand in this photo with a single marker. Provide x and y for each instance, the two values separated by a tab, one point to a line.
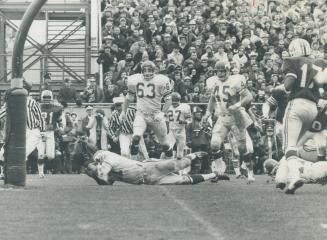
115	139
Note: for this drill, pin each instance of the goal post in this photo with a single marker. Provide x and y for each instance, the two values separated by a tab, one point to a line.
16	97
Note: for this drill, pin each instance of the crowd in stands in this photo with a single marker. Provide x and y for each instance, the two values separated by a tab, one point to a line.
186	38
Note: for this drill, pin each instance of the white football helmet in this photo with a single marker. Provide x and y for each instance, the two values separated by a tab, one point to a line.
222	70
46	96
148	70
299	48
176	99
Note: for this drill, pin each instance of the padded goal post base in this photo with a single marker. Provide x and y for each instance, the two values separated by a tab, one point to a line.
15	141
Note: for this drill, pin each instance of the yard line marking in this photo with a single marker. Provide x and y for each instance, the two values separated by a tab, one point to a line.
212	231
323	225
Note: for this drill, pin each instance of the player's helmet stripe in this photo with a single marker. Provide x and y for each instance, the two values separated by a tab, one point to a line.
291	74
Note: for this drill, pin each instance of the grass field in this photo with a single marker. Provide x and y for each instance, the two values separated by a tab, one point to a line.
74	207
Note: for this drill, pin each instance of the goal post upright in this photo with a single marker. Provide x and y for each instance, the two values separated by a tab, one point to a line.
16	97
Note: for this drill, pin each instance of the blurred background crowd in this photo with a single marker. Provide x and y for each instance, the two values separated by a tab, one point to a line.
186	38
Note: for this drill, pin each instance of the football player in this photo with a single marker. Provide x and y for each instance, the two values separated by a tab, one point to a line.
108	167
300	80
150	89
122	131
277	103
51	113
178	116
310	172
231	95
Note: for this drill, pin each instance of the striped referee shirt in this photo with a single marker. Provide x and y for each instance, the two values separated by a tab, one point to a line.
34	117
126	126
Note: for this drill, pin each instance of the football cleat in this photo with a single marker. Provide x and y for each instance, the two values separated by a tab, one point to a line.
281	185
220	177
294	185
299	47
41	175
241	176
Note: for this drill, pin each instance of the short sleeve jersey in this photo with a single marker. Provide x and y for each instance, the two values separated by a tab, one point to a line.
303	69
149	94
180	113
228	92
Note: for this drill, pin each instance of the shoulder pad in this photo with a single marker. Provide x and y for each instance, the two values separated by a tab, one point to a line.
134	79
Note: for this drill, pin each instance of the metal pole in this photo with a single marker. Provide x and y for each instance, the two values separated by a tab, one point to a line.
15	146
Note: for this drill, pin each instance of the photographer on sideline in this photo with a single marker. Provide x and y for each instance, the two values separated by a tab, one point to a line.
98	127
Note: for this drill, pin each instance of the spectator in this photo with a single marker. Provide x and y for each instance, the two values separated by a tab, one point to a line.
98	128
93	93
46	82
85	120
67	93
110	92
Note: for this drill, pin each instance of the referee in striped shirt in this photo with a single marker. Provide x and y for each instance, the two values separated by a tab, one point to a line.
35	124
122	131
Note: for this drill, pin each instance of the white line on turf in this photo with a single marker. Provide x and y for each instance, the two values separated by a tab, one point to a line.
323	225
211	230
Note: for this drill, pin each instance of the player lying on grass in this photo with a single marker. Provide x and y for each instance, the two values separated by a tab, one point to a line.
310	172
108	167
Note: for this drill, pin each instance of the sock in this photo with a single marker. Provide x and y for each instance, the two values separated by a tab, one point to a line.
250	173
40	167
236	166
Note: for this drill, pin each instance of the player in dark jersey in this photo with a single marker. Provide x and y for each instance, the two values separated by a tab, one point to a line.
277	102
300	71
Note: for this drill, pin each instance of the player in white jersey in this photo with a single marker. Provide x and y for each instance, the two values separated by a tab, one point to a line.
150	89
108	167
231	95
310	172
178	116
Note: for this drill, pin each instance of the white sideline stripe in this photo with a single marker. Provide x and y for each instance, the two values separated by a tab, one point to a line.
212	231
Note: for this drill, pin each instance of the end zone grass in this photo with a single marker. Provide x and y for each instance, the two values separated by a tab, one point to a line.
74	207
